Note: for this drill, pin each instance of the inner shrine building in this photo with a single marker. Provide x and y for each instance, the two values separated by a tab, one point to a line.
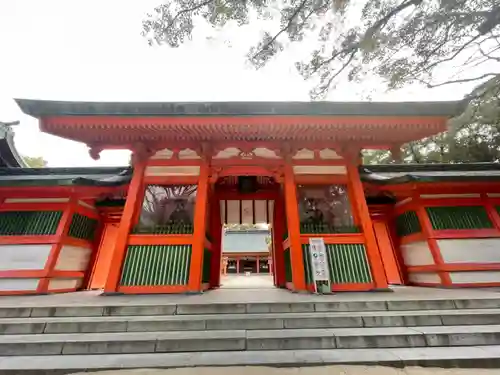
156	226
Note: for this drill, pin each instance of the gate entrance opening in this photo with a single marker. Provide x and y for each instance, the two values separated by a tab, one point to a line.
244	227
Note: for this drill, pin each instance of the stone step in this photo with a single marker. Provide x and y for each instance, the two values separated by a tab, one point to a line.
160	323
240	340
466	356
243	308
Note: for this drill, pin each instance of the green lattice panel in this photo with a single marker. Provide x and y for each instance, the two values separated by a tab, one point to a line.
35	223
156	265
307	228
82	227
207	260
348	263
407	223
165	229
459	217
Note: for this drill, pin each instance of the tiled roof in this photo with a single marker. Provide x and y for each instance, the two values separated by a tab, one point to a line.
9	157
40	108
402	173
114	176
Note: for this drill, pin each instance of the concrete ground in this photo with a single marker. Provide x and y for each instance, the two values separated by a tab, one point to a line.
322	370
247	281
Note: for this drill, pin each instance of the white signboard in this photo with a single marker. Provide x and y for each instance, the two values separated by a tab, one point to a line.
319	259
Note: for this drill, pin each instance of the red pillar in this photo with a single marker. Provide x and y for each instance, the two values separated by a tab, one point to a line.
278	232
126	221
237	265
357	196
216	233
292	215
257	262
200	211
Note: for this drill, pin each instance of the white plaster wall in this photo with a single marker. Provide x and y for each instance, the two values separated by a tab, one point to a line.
23	257
404	201
329	154
10	285
271	211
36	200
163	154
172	171
435	196
428	278
475	277
265	153
64	283
319	169
233	212
247	212
84	204
73	258
304	154
417	254
260	211
188	154
228	153
470	250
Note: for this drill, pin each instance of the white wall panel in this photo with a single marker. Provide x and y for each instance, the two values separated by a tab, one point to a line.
163	154
11	285
261	211
172	171
265	153
319	169
73	258
437	196
64	284
23	257
470	250
36	200
428	278
329	154
475	277
233	212
271	211
246	212
304	154
417	254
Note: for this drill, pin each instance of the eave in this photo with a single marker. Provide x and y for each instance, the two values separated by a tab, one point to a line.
115	124
44	108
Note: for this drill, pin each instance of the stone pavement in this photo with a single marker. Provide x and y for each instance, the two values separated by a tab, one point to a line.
237	295
253	281
322	370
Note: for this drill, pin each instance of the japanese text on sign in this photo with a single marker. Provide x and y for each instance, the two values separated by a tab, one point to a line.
319	259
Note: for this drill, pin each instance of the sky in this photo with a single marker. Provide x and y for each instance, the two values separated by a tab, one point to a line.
92	50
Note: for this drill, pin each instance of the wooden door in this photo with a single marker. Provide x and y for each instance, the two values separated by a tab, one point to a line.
104	256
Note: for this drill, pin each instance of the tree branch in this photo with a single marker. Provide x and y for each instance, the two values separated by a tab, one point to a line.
289	23
377	26
462	80
188	10
345	65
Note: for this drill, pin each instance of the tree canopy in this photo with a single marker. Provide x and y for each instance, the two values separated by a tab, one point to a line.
35	161
400	41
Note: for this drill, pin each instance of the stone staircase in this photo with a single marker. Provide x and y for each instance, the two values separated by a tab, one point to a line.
61	340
